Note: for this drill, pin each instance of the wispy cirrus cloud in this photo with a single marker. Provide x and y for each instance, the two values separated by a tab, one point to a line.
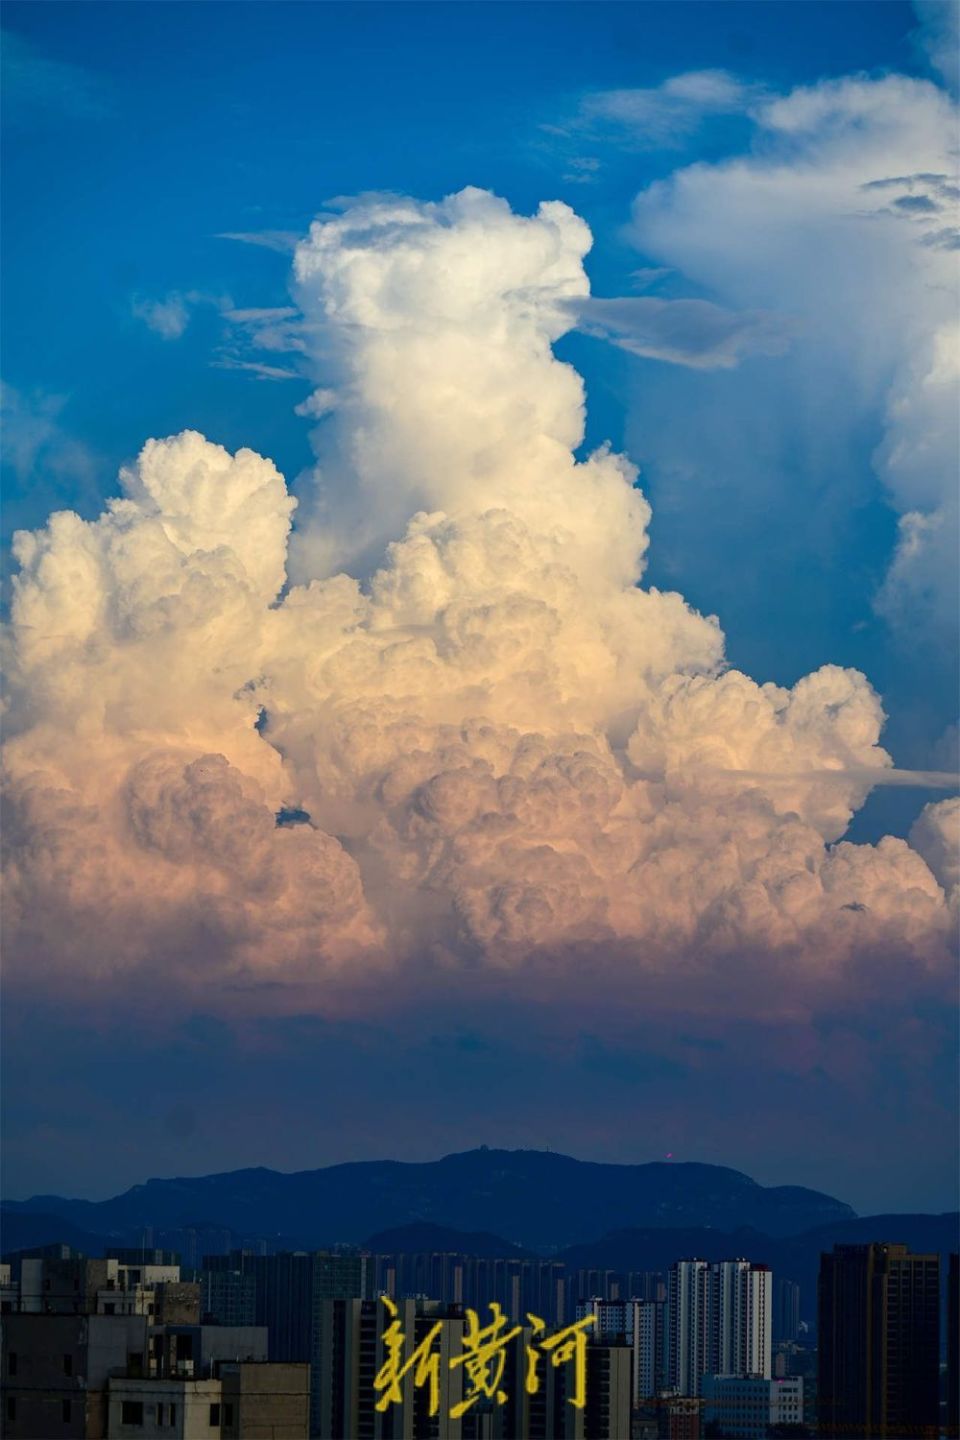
695	333
170	315
43	458
39	89
40	448
284	242
246	330
256	367
668	117
260	314
167	318
665	116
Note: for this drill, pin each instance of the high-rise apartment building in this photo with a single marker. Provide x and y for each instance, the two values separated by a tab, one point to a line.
953	1348
639	1325
719	1321
352	1352
878	1343
587	1284
741	1302
786	1311
517	1286
607	1413
688	1325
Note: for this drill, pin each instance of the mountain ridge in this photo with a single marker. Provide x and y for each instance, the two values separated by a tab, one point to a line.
534	1199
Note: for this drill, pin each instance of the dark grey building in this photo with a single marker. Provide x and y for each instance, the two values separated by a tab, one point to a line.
228	1297
953	1348
288	1292
878	1343
786	1311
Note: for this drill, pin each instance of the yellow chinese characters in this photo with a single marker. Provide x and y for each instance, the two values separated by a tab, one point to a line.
484	1359
563	1346
425	1366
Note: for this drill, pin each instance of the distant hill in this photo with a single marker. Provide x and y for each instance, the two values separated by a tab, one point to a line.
535	1199
791	1257
510	1189
28	1230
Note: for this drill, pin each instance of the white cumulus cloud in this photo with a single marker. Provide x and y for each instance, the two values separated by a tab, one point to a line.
505	752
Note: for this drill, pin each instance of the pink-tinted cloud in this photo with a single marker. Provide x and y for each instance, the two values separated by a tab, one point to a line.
520	778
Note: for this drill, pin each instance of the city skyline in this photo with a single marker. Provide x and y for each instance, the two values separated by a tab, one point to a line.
696	1345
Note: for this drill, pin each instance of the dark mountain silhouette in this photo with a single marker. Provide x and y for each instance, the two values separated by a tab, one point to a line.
648	1247
791	1257
532	1198
29	1230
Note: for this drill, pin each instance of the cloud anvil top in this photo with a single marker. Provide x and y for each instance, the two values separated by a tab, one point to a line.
504	746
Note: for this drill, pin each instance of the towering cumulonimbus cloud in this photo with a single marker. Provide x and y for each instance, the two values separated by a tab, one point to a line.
489	748
435	324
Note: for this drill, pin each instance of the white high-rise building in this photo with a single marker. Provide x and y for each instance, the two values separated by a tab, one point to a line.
758	1322
648	1342
611	1317
688	1318
641	1324
742	1305
718	1321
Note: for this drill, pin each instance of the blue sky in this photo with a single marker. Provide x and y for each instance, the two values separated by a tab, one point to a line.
137	135
158	158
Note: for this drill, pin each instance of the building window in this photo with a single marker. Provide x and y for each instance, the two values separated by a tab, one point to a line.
109	1308
228	1414
173	1415
68	1364
159	1416
214	1414
11	1407
12	1363
131	1412
65	1408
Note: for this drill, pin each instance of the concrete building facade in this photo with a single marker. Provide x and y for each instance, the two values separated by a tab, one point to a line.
246	1401
57	1371
745	1407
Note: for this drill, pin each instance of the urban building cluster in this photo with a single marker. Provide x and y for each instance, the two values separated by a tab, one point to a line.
292	1345
118	1347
